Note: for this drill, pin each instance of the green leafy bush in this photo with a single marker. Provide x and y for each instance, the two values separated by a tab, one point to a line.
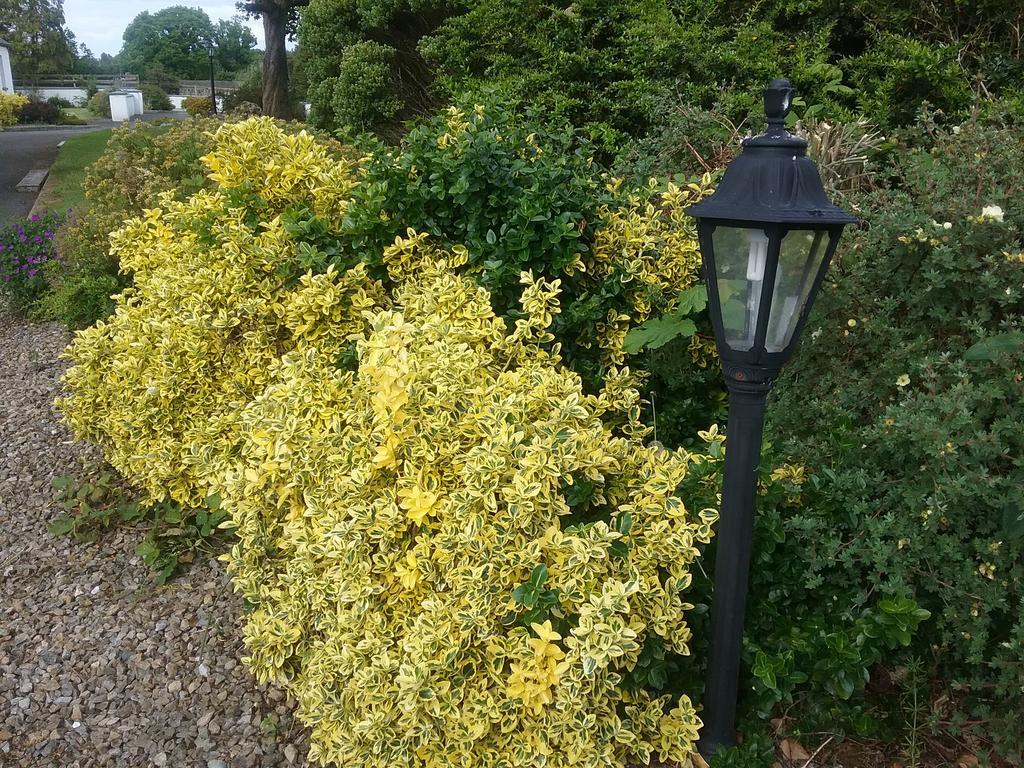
99	103
620	70
522	197
344	41
899	74
360	96
38	111
155	98
603	66
913	360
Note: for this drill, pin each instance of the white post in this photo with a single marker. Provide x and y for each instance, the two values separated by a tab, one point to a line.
6	76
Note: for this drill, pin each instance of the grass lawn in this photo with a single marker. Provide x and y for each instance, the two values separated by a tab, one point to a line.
63	189
82	113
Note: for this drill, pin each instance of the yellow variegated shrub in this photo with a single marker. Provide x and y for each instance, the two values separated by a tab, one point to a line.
400	463
159	384
216	298
10	105
385	517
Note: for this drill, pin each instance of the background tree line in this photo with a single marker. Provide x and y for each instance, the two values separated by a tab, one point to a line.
171	43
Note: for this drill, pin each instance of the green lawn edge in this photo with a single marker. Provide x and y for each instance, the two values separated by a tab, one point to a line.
63	190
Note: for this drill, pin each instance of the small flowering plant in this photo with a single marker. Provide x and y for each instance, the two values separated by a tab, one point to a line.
25	248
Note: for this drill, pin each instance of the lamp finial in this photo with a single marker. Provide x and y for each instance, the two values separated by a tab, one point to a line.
778	100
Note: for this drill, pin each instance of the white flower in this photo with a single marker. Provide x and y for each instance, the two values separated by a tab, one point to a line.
993	212
947	225
902	380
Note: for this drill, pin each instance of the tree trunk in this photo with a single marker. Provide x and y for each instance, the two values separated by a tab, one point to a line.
275	62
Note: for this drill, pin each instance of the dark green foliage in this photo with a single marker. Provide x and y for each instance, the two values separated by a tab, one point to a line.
362	62
37	111
154	97
899	73
536	599
517	197
622	70
912	357
361	96
39	39
515	203
173	43
81	298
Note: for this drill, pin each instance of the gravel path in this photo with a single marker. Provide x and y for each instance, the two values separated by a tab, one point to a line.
97	666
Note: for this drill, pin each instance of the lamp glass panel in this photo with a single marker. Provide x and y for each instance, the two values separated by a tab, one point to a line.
800	255
741	256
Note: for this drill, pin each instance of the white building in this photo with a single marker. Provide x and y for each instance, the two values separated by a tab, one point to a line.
6	76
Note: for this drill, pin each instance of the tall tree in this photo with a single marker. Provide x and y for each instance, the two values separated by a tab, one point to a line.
173	39
40	43
280	18
235	46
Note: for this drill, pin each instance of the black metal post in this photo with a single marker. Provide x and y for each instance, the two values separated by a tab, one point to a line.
213	85
732	564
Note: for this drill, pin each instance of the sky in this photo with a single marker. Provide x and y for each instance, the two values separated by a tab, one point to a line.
100	23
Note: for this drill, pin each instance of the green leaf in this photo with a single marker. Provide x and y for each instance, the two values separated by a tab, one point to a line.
172	514
148	550
692	300
657	332
62	526
1013	519
619	549
539	575
994	346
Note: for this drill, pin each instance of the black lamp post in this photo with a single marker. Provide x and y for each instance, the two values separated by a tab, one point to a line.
767	235
213	84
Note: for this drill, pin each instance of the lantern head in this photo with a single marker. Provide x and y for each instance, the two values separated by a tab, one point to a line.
767	235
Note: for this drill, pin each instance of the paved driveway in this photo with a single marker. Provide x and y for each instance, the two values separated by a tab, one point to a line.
22	151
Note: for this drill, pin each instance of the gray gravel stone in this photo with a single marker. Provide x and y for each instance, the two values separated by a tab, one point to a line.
98	667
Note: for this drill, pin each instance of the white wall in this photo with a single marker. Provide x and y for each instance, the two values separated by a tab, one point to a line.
77	96
6	76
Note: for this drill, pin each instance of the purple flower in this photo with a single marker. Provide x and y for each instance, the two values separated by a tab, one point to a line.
34	217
